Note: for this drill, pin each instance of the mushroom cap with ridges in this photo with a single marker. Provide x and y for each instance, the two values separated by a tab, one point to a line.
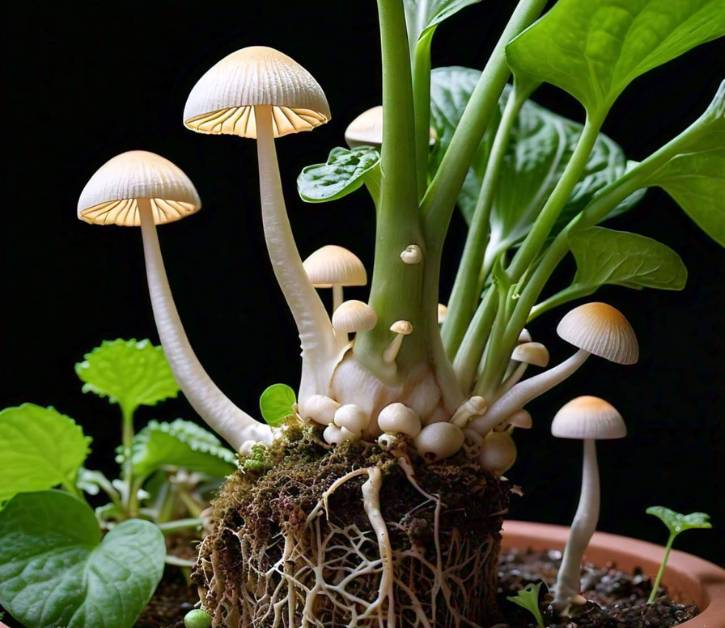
404	328
111	195
335	265
353	316
222	101
601	330
367	129
531	353
588	418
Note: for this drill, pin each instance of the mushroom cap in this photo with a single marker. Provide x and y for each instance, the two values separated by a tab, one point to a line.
351	417
367	129
525	335
320	408
222	101
404	328
111	195
442	313
602	330
353	316
399	418
439	440
588	418
335	265
521	419
498	452
531	353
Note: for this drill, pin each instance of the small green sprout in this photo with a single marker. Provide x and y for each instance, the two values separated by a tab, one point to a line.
197	618
528	598
277	402
258	460
676	523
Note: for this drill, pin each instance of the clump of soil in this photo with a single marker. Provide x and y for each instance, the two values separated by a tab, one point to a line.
614	599
293	540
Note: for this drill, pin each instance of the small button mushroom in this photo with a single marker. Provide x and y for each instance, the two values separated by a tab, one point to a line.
387	441
411	254
337	435
521	419
401	329
498	452
335	267
442	313
397	418
351	417
319	408
438	441
354	316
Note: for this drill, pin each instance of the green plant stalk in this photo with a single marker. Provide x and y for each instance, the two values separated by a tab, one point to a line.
475	339
466	292
170	527
127	468
661	570
561	297
421	102
396	288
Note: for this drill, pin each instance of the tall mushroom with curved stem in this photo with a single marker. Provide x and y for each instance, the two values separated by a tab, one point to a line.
588	419
261	93
143	189
594	328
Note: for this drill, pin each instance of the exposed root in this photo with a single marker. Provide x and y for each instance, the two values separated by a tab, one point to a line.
318	541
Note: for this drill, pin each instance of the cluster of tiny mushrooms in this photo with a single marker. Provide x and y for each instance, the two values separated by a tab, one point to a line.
260	93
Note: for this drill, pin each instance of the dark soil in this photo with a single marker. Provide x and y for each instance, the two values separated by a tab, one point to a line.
614	599
172	600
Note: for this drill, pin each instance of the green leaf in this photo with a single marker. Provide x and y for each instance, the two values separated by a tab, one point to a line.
421	16
180	444
277	402
39	448
695	177
594	49
604	256
55	570
130	373
677	522
345	170
528	598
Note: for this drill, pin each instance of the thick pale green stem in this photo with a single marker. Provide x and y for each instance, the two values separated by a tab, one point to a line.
469	354
396	289
421	97
561	297
466	293
313	324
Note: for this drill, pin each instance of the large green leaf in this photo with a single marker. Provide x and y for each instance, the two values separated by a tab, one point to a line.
129	372
593	49
422	16
345	170
695	176
604	256
180	444
55	570
39	448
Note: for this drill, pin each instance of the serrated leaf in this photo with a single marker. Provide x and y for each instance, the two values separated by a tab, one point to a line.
604	256
677	522
277	402
129	372
594	49
180	444
528	598
344	172
40	448
421	16
695	177
55	570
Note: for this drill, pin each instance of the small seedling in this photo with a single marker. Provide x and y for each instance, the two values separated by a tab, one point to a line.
528	598
676	523
197	618
277	403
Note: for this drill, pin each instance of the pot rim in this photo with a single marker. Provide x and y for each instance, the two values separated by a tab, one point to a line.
687	577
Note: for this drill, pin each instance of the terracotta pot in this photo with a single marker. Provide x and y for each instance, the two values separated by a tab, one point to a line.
687	578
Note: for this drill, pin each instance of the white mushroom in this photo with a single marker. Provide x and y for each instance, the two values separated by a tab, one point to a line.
525	353
411	254
588	419
387	441
354	316
335	267
351	417
497	453
401	329
398	418
438	441
442	313
367	129
521	420
336	435
319	408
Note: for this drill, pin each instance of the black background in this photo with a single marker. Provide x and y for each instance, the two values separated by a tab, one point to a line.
84	81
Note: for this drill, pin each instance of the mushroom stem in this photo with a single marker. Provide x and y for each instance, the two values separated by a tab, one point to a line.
391	351
233	424
313	324
582	528
336	296
514	378
525	391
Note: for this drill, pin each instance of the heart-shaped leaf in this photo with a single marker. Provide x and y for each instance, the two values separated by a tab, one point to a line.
130	373
55	570
528	598
604	256
277	402
594	49
345	170
677	522
40	448
180	444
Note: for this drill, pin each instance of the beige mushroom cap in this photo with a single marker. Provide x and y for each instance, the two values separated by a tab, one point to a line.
404	328
222	101
521	419
588	418
367	129
442	313
602	330
335	265
354	316
111	195
531	353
